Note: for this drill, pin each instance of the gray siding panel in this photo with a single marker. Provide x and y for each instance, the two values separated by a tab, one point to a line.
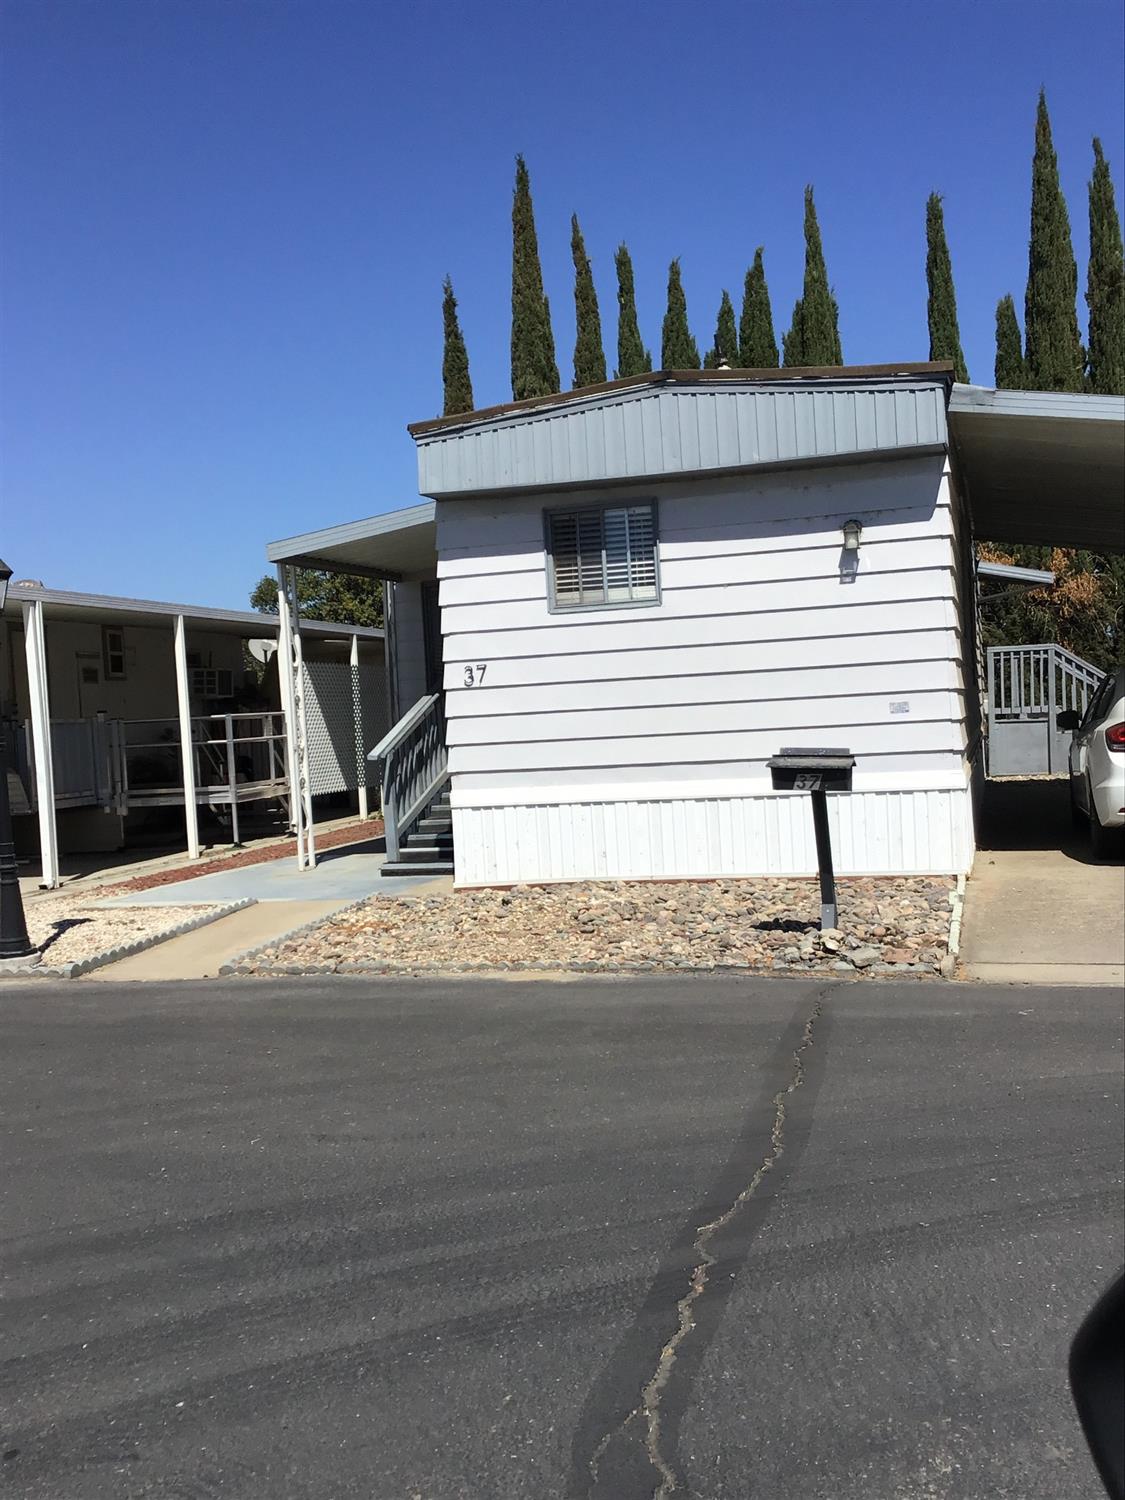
680	430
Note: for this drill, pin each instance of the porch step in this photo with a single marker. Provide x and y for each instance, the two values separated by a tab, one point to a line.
428	848
437	867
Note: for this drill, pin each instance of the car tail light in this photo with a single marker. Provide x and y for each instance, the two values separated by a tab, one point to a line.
1115	736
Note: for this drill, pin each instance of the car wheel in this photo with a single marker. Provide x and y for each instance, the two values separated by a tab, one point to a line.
1104	842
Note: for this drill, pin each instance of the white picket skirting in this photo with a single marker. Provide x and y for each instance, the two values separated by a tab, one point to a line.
923	831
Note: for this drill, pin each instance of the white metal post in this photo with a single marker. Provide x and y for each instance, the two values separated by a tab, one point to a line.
35	645
187	750
232	782
291	678
360	751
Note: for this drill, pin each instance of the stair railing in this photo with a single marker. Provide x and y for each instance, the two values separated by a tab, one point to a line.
414	767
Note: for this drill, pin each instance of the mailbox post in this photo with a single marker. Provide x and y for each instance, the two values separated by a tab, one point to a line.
817	772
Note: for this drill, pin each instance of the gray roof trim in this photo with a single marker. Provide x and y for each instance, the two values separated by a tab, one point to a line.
309	543
113	607
1067	406
652	431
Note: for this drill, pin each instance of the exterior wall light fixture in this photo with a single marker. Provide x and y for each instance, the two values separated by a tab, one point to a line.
852	530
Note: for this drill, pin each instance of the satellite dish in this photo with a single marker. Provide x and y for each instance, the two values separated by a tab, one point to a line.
262	650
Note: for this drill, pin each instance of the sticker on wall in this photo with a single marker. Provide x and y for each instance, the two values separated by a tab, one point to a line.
900	706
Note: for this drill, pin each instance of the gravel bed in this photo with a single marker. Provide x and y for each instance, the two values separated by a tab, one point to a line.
898	925
71	929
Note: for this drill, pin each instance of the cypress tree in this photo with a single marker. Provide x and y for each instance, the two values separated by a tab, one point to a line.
725	348
589	356
941	307
814	337
632	356
1105	285
757	346
1053	348
534	371
678	350
455	358
1011	373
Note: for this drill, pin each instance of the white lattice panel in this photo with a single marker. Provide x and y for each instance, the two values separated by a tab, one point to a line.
345	714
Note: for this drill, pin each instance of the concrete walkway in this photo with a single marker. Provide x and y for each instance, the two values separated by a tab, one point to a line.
286	898
1038	908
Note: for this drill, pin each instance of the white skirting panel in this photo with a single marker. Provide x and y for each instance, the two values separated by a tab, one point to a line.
873	833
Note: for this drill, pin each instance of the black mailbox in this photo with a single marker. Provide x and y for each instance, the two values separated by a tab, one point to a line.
812	770
816	772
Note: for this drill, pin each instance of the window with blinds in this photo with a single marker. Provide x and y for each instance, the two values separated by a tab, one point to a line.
603	555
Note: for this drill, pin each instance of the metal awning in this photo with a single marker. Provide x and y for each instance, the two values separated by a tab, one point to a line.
399	545
1041	468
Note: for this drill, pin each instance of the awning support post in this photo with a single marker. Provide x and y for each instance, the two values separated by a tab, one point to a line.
187	749
35	645
291	676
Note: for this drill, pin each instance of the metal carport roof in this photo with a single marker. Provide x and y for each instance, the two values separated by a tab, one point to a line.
1041	467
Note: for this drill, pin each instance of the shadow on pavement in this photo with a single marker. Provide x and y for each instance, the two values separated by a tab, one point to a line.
1032	814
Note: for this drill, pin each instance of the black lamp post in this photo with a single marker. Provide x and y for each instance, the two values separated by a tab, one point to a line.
14	941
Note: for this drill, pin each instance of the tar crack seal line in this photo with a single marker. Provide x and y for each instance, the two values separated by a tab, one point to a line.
653	1392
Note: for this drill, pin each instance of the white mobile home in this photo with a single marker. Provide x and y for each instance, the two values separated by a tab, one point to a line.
621	602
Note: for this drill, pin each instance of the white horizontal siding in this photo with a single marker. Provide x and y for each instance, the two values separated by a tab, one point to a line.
873	833
747	660
670	748
653	721
877	771
613	631
901	680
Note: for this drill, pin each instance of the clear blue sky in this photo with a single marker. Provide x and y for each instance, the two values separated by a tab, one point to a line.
226	224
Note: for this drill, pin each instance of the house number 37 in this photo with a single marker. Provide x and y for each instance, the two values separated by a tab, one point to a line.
474	676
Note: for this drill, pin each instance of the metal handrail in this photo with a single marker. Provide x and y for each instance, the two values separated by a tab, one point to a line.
398	732
414	767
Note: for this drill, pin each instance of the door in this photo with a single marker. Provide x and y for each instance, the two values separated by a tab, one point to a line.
431	632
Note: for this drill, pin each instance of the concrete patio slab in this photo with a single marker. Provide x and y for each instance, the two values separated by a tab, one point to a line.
340	876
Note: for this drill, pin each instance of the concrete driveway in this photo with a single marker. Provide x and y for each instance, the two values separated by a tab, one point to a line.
1038	907
390	1240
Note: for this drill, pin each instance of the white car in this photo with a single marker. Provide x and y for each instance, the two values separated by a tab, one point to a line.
1097	763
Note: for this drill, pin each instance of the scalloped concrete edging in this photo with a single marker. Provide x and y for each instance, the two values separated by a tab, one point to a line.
82	966
234	965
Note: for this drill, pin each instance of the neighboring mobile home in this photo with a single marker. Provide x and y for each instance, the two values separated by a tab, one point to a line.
623	601
127	684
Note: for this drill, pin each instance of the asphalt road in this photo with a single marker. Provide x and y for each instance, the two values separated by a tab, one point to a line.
399	1239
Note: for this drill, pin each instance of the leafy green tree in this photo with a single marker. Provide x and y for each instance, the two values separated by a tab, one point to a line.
534	370
1052	345
724	351
941	306
455	358
1010	370
1105	285
814	335
632	356
342	597
757	346
589	356
678	350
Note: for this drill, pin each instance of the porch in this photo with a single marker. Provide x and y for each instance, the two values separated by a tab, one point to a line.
125	712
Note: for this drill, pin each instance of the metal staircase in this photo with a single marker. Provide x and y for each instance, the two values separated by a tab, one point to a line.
416	813
428	848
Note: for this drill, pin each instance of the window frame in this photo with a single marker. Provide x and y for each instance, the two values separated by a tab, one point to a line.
109	651
553	606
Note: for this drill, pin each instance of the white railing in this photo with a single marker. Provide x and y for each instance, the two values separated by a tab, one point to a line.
414	767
